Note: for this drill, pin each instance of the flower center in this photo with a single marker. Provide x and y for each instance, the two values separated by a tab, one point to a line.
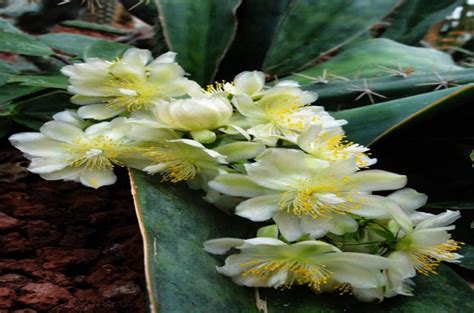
132	93
174	168
298	272
428	259
96	153
318	200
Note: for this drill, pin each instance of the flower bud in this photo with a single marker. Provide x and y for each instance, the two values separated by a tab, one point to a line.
195	114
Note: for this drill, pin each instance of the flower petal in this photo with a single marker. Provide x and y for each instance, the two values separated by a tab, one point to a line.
249	83
61	131
409	199
97	178
375	180
289	225
99	111
260	208
222	245
237	185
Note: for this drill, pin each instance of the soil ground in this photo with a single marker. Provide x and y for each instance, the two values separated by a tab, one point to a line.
65	247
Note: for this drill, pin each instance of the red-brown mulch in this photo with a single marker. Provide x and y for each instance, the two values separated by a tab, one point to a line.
65	247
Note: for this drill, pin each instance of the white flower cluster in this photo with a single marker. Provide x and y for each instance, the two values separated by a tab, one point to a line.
265	152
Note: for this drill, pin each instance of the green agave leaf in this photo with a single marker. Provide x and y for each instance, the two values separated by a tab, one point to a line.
181	276
337	95
200	32
370	123
6	26
23	44
312	28
69	43
454	205
51	81
95	26
257	21
468	260
9	92
372	58
413	18
105	49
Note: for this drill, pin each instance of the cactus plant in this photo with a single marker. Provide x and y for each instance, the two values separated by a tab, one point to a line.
378	85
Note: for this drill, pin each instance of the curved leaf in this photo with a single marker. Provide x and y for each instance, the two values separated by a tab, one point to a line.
69	43
468	257
51	81
181	276
105	49
257	21
200	32
370	123
372	58
413	18
345	94
312	28
23	44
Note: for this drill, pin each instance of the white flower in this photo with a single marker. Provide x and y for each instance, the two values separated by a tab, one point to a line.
286	185
248	83
329	144
281	112
269	262
62	150
183	159
428	244
131	83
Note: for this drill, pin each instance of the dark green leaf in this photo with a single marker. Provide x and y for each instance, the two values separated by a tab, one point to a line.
52	81
94	26
12	91
4	77
468	260
370	123
455	205
181	277
413	18
104	49
23	44
69	43
6	26
200	32
312	28
371	58
7	68
257	21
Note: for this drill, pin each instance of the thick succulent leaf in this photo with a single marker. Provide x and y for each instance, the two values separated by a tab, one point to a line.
200	32
370	123
312	28
337	95
69	43
257	21
105	49
51	81
413	18
23	44
12	91
95	26
6	26
372	57
181	276
468	260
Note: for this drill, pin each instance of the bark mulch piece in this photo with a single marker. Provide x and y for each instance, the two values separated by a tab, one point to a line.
65	247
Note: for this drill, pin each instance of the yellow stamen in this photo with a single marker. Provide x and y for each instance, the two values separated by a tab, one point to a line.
100	152
428	259
306	199
300	272
132	93
177	168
